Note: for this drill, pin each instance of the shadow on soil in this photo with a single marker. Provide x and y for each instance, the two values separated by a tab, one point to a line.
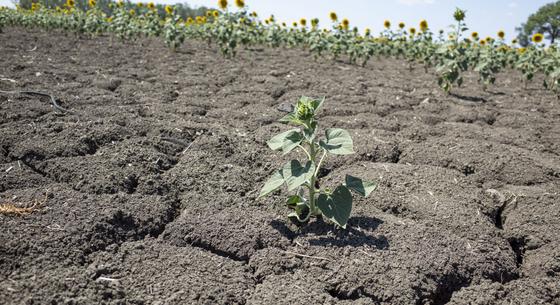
359	232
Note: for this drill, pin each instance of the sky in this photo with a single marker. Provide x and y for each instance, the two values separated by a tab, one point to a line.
484	16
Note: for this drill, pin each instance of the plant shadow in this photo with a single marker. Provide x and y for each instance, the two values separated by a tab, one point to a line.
358	233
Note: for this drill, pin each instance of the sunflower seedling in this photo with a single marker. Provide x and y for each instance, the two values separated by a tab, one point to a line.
335	205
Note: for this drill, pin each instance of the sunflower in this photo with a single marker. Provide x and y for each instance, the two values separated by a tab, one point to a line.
314	22
474	35
70	3
208	13
537	38
140	4
367	32
294	24
412	31
267	21
222	4
423	25
151	5
333	16
401	25
240	3
120	3
482	42
501	34
303	22
387	24
284	24
489	39
168	9
92	3
514	41
132	12
215	14
254	14
521	50
345	24
189	21
459	15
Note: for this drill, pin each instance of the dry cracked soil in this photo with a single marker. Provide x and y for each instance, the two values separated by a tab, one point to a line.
146	191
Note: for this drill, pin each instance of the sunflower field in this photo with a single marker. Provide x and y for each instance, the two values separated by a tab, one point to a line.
234	26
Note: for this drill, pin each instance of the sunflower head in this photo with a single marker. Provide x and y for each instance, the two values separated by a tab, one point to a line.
483	42
412	31
92	3
151	5
168	9
501	34
284	24
314	22
294	24
208	13
215	14
474	35
222	4
189	21
70	3
303	22
489	39
401	25
240	3
367	32
514	41
333	16
132	12
345	23
120	3
537	38
459	14
254	14
140	4
423	25
521	50
387	24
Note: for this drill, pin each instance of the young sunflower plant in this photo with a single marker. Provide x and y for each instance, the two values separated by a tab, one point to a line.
335	205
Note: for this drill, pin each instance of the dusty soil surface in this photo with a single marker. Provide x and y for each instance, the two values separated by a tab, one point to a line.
147	191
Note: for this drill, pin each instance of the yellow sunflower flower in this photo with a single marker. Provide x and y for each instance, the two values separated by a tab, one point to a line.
70	3
501	34
92	3
401	25
345	23
537	38
412	31
387	24
168	9
423	25
240	3
151	5
333	16
303	22
222	4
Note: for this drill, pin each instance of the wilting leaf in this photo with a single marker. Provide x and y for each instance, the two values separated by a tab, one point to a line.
273	183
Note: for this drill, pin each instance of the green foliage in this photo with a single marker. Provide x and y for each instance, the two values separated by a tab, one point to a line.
546	21
334	205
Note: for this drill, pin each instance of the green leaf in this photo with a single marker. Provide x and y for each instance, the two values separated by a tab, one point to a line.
295	174
363	188
338	142
316	104
273	183
286	141
336	206
291	118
